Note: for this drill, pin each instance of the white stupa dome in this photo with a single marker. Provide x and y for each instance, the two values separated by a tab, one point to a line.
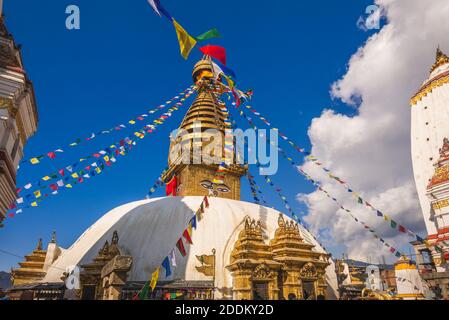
149	229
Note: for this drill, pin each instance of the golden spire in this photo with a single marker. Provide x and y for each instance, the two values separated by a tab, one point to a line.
440	59
39	244
197	149
204	113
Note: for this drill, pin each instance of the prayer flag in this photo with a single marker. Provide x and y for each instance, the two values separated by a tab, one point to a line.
51	155
158	8
193	222
181	248
166	265
186	41
171	186
154	278
213	33
206	202
143	294
34	161
173	258
186	235
216	52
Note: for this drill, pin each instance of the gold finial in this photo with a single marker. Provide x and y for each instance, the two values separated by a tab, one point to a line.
440	59
39	244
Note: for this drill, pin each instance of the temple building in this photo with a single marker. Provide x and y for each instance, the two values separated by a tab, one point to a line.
430	156
18	115
238	249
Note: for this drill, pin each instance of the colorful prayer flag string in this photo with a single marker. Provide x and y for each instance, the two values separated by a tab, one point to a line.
290	160
169	261
53	154
148	128
70	181
20	203
157	184
282	197
316	161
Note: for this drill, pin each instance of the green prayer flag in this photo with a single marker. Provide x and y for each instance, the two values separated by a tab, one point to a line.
438	249
212	33
143	294
393	224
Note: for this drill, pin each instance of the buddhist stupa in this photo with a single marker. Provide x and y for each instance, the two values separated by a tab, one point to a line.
240	250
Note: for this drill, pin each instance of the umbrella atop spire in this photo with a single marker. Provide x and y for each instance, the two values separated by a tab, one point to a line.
440	59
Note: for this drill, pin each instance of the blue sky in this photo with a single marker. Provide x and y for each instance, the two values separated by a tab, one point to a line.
125	60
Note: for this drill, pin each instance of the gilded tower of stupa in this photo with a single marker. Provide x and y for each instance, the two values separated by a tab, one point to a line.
198	147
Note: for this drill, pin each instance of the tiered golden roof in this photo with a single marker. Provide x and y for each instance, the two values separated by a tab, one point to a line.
198	147
32	269
289	247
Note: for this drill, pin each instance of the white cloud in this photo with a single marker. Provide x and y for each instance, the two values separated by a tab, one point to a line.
371	150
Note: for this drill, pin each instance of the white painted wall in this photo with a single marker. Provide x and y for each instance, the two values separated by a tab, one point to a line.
430	119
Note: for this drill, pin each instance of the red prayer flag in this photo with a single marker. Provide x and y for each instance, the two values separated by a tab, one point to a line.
172	185
216	52
186	235
61	172
12	206
206	202
402	229
392	250
51	155
180	247
53	187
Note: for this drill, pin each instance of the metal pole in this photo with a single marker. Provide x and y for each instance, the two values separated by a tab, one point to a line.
213	286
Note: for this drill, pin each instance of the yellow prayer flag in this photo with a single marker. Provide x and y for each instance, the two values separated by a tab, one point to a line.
186	41
98	170
154	278
46	178
189	229
34	204
34	161
75	175
68	185
37	194
132	122
106	158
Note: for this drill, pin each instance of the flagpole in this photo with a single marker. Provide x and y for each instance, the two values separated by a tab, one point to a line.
213	279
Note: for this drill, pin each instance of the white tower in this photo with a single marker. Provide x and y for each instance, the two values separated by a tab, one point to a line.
408	280
430	119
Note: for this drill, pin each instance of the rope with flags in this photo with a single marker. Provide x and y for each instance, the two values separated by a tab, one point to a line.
349	212
53	154
169	261
76	178
359	199
33	198
158	183
282	197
